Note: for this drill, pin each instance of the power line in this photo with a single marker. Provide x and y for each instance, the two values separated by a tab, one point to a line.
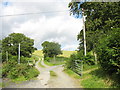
33	13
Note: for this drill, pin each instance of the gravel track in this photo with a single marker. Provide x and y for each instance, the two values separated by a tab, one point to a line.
44	80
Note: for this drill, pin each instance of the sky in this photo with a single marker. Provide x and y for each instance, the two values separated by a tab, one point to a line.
53	23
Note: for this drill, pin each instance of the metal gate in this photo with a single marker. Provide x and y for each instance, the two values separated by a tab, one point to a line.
79	66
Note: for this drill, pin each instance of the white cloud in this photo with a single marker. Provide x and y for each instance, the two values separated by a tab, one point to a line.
58	27
70	47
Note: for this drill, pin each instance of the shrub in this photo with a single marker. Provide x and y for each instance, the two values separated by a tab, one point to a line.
31	73
108	51
13	70
76	60
89	59
47	59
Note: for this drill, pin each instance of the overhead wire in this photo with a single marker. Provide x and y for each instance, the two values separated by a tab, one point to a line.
32	13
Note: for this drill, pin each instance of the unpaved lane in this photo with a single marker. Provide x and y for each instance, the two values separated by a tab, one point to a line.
62	80
44	80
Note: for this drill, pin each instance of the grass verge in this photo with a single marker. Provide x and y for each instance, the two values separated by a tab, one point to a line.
72	74
93	77
52	73
92	81
48	63
41	65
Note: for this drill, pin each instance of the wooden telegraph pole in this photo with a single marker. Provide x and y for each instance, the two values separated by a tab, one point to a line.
84	40
84	32
19	53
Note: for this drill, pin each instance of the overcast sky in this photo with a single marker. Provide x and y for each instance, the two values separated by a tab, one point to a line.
48	25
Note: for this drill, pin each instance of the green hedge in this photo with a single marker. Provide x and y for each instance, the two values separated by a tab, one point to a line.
13	70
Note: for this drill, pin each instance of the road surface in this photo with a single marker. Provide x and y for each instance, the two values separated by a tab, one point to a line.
44	80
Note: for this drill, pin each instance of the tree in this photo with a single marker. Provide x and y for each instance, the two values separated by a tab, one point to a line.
102	31
11	42
51	49
97	21
108	51
97	18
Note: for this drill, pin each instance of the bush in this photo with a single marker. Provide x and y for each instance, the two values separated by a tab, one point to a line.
76	60
108	52
7	67
13	70
31	73
70	64
47	59
89	59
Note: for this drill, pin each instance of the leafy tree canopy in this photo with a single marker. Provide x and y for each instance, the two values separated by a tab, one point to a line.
102	31
51	49
100	15
10	44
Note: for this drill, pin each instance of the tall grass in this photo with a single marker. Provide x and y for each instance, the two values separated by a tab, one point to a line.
94	77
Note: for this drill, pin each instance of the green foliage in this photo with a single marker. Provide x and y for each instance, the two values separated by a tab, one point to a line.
70	64
109	50
48	63
13	70
102	37
47	59
72	74
92	78
31	73
85	60
102	32
111	79
89	67
97	18
10	45
51	49
89	59
93	82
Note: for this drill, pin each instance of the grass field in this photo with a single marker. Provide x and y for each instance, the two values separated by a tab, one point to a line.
65	53
38	53
93	77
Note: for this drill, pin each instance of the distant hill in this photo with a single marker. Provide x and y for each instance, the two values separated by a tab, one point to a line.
38	53
65	53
